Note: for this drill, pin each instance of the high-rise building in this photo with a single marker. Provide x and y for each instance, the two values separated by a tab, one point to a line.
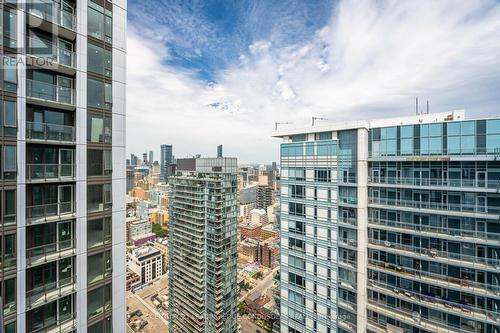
63	178
145	158
219	151
391	225
151	160
264	196
166	161
133	160
203	246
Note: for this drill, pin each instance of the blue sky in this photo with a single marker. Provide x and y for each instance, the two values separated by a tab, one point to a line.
203	73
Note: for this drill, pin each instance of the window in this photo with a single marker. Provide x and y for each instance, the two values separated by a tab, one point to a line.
100	22
8	29
9	74
309	149
298	137
8	110
8	293
323	136
8	249
9	207
103	326
296	262
296	279
296	227
296	298
297	191
9	162
99	197
295	208
292	149
98	266
296	174
98	232
99	60
99	301
296	244
99	162
98	128
322	175
99	94
326	148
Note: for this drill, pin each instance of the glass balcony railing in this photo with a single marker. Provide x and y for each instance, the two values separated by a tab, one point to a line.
51	12
47	211
8	261
455	232
45	252
466	284
50	92
49	132
50	291
65	323
49	171
442	206
436	182
50	53
438	254
461	307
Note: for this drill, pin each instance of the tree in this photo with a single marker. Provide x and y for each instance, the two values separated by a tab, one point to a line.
159	231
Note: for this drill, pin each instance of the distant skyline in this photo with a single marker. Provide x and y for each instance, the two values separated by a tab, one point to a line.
204	73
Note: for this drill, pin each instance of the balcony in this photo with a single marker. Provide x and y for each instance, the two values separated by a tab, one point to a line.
45	132
43	54
453	233
47	16
9	261
47	94
45	253
49	172
49	292
49	212
462	284
65	324
456	184
457	259
441	207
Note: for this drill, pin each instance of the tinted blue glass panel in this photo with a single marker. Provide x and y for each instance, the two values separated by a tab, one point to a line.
298	137
424	130
424	145
326	148
284	150
292	149
325	135
468	127
436	145
391	147
435	129
406	146
454	145
309	149
493	126
492	143
407	131
454	128
391	132
468	144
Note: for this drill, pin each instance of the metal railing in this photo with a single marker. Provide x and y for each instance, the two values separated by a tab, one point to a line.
434	205
48	11
44	251
49	132
430	153
437	279
439	182
462	307
455	232
50	53
49	171
50	291
8	261
65	324
50	92
438	254
49	210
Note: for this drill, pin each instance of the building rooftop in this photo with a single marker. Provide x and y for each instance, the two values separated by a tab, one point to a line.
374	123
145	251
248	195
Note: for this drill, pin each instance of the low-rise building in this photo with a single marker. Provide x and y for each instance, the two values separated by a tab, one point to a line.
147	262
249	249
249	229
162	245
269	231
269	252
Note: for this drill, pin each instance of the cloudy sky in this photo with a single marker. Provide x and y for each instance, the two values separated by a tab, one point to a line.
203	73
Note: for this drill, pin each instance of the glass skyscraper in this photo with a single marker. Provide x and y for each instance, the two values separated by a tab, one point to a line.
62	99
391	225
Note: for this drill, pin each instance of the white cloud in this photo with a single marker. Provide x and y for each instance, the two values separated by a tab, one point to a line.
371	60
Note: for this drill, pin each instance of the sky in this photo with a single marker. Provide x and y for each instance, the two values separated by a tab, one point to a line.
204	73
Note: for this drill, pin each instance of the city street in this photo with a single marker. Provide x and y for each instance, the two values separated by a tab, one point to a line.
262	285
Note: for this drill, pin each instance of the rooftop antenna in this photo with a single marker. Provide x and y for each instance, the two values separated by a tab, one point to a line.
313	119
416	105
427	106
278	123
